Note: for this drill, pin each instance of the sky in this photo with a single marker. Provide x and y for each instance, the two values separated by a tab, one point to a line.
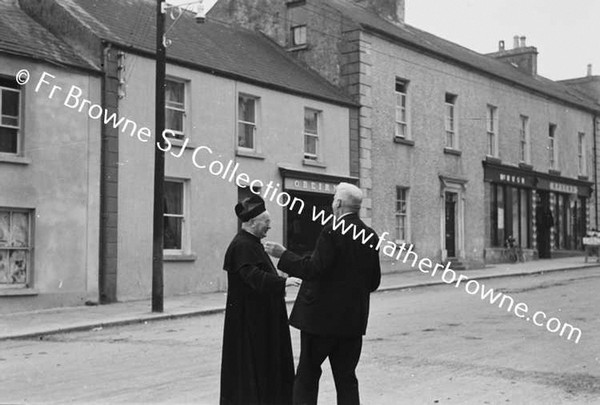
565	33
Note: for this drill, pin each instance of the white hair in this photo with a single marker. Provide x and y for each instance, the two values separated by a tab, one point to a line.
350	195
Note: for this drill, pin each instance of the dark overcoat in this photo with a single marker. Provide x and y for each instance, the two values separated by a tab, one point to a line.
257	365
337	280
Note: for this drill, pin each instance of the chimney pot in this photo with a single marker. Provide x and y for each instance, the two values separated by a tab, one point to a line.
523	45
589	69
501	45
515	41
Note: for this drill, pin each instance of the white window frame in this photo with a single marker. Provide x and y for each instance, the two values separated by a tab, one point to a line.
254	124
491	131
552	147
524	140
28	249
581	154
450	122
179	107
312	156
302	31
401	104
19	92
185	218
398	214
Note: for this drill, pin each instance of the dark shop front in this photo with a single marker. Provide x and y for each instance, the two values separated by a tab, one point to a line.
316	190
542	213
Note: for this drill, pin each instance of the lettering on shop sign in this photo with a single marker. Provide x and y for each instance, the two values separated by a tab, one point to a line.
563	188
309	185
512	178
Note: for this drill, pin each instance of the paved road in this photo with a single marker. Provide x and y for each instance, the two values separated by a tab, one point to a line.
435	345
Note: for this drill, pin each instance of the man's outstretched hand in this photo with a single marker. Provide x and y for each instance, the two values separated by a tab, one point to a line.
274	249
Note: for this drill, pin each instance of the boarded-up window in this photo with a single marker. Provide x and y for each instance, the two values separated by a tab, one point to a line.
15	247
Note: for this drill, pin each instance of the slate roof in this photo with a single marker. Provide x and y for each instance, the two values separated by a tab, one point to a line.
212	46
20	35
432	44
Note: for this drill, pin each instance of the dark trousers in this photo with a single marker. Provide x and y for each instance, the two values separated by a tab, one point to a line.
343	356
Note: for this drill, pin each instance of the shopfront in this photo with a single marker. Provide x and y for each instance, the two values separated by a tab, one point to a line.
543	213
316	190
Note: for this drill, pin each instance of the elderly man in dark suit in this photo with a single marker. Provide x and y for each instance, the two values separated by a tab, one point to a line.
332	306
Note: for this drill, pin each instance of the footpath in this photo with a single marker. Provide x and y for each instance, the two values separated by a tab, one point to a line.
69	319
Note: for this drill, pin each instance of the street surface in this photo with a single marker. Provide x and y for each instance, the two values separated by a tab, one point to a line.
434	345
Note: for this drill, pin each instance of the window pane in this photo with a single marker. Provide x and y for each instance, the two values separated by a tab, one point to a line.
8	140
4	228
246	135
311	121
4	267
400	129
173	198
246	109
299	35
172	236
174	93
10	103
174	120
310	144
19	229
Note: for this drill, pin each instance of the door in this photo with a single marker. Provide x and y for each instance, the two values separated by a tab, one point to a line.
450	202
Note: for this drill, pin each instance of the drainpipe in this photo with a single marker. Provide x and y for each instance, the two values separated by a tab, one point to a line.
595	126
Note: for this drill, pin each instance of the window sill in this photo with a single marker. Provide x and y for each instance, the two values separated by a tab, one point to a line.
493	159
180	258
314	163
180	143
583	177
404	141
18	160
249	154
303	47
554	172
452	151
525	166
18	292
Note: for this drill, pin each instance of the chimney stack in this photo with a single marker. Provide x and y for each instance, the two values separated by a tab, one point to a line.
589	69
391	10
523	57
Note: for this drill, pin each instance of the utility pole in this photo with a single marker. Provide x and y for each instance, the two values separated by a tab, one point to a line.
159	165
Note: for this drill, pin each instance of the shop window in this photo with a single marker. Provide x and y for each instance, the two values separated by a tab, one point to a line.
552	147
511	215
402	114
402	214
492	131
247	121
175	108
581	154
311	134
15	247
176	236
524	152
10	116
450	120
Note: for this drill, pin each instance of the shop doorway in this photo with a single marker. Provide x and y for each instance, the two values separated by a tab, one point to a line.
301	231
544	223
451	200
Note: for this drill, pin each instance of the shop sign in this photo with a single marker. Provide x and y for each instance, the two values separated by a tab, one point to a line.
563	188
311	186
499	176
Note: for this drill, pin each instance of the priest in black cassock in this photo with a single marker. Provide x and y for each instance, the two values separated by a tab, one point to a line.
257	365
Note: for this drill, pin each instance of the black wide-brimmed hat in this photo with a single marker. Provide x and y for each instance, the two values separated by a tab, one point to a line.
250	207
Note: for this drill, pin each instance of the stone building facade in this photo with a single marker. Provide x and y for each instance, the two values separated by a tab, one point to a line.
459	151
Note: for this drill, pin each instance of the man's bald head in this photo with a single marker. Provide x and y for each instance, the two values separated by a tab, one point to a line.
349	197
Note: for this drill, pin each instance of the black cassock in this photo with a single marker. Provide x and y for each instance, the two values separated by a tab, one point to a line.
257	365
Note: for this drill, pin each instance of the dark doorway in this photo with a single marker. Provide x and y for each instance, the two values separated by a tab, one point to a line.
301	231
451	199
544	223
